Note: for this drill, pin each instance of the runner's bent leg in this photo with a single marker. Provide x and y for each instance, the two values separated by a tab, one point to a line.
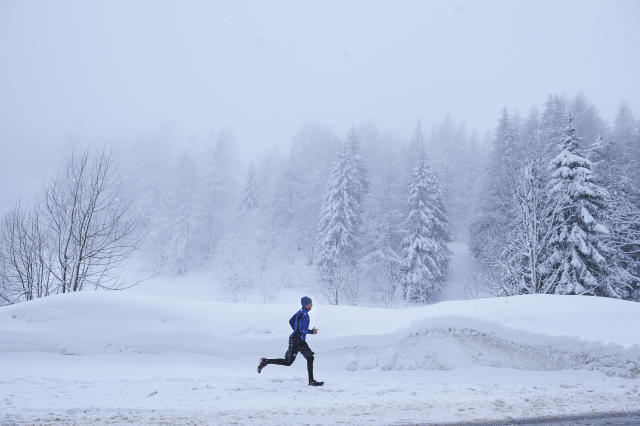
290	356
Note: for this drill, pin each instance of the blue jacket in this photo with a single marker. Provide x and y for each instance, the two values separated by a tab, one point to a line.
300	322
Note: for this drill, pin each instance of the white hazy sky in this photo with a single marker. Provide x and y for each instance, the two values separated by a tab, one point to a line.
96	71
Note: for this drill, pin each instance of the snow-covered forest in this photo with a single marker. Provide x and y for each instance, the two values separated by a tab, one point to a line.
549	202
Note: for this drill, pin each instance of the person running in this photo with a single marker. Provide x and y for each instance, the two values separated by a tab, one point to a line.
297	342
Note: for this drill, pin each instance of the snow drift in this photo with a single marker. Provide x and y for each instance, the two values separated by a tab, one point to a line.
524	332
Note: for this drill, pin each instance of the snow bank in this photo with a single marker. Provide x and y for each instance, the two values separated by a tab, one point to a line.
524	332
450	343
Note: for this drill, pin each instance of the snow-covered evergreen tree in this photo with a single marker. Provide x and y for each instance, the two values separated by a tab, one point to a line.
425	255
579	261
340	220
249	200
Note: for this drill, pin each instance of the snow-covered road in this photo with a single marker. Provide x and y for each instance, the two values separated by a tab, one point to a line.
115	358
176	389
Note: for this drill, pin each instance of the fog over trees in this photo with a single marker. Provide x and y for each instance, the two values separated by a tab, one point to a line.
543	210
364	202
549	204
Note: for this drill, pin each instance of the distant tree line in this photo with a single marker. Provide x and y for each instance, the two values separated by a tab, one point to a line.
364	218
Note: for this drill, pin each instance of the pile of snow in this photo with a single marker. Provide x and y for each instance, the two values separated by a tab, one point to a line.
524	332
129	357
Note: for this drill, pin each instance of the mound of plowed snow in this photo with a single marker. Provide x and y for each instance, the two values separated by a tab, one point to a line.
524	332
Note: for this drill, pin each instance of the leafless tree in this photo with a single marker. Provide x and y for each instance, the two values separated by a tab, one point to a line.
91	231
24	257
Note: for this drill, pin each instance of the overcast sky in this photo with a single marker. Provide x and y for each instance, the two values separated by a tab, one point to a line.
91	71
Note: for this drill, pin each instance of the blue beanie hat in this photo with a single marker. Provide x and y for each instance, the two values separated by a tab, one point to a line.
305	301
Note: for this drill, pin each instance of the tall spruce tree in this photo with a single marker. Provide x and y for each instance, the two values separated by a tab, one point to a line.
579	261
425	255
340	219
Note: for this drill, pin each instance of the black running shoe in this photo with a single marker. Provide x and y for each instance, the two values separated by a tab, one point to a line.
315	383
263	364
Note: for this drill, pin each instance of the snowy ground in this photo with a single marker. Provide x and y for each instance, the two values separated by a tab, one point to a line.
129	357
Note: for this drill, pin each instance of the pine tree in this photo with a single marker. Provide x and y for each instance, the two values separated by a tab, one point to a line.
340	219
424	251
579	261
249	200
